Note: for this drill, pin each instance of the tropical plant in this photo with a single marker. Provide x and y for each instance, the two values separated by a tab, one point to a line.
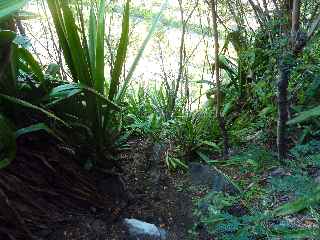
193	133
18	62
90	94
9	7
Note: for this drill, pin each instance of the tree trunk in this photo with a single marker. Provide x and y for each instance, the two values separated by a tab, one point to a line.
282	85
224	136
285	68
217	77
20	27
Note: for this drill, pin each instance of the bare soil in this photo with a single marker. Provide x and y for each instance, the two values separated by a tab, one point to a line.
47	195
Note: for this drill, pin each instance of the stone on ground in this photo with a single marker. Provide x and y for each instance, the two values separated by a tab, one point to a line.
139	230
213	178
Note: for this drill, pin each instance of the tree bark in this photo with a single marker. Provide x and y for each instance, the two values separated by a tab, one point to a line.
282	86
285	67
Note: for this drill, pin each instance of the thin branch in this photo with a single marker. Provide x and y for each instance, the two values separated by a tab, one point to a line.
295	19
314	28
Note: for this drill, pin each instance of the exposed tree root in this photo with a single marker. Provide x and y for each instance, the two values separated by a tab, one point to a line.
40	188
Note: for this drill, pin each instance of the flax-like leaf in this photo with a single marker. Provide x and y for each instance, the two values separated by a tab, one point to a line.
31	106
92	39
141	50
34	66
77	51
35	128
121	53
54	6
66	91
8	7
99	54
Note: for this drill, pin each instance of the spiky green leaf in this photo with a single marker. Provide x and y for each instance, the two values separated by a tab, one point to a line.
8	7
306	115
23	103
140	53
35	128
121	53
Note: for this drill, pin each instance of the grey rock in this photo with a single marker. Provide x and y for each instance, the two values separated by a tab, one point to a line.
204	207
139	230
98	226
317	179
316	176
156	153
278	172
155	164
112	185
212	177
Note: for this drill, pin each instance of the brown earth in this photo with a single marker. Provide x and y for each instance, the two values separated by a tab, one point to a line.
45	194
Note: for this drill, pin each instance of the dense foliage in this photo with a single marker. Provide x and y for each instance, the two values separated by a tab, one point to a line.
261	88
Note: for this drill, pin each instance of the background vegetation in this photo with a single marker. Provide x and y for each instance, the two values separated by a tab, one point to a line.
209	78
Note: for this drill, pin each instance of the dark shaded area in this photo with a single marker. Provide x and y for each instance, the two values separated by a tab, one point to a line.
45	188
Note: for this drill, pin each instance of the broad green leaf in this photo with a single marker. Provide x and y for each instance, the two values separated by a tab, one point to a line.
204	157
299	204
227	108
62	93
8	7
31	106
26	15
306	115
211	144
35	128
34	66
52	69
7	143
65	91
306	233
6	37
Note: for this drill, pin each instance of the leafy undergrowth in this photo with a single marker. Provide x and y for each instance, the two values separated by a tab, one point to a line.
275	202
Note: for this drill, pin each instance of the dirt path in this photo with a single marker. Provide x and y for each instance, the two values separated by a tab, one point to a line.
159	198
151	194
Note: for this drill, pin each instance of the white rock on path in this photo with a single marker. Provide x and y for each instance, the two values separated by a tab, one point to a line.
139	230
